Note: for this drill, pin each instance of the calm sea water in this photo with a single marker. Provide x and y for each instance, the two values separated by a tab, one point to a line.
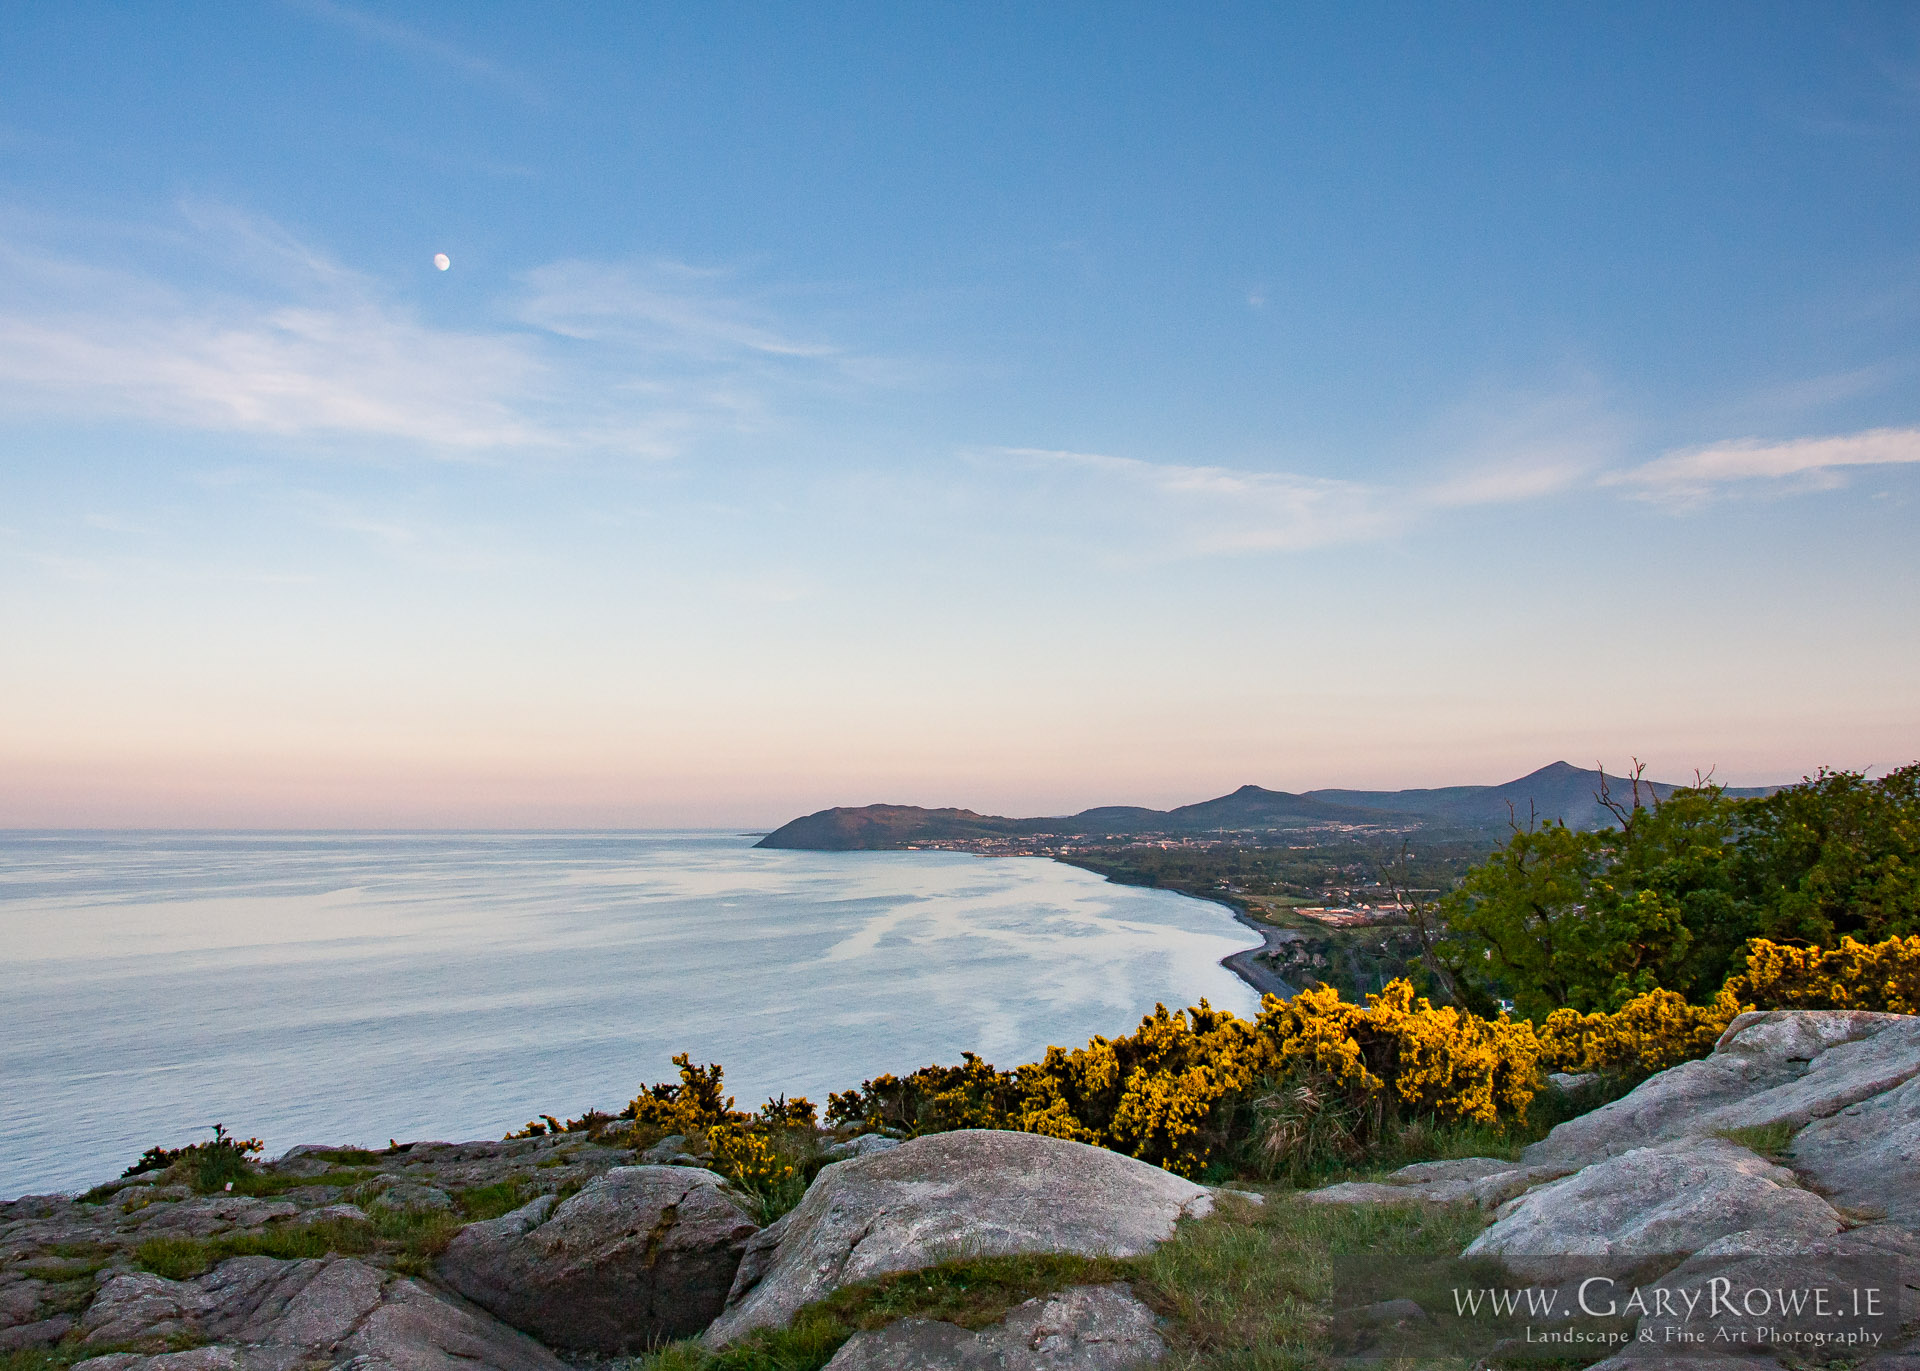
355	988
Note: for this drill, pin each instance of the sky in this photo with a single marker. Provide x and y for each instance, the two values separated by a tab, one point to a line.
1014	407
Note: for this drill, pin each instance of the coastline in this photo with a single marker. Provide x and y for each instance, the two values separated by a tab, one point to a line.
1246	964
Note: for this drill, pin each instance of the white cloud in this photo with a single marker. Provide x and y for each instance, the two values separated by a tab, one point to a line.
352	365
290	343
1693	474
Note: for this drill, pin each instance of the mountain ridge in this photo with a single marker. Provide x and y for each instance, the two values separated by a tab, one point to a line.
1558	791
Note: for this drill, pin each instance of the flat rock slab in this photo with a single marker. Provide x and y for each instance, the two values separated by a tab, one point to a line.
1082	1328
1867	1157
641	1255
1484	1181
1784	1066
1673	1199
263	1314
977	1192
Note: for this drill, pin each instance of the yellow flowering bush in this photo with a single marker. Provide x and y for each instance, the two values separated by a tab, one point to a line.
1648	1033
695	1102
1881	976
1191	1088
747	1157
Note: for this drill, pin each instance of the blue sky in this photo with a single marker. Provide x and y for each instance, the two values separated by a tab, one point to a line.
1016	407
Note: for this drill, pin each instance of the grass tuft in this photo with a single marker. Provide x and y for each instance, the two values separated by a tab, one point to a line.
1767	1139
480	1202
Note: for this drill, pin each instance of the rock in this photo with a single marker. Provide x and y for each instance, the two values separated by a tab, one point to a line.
351	1213
1790	1066
643	1254
141	1305
41	1333
406	1195
18	1300
1865	1157
1673	1199
1485	1181
202	1216
664	1151
1771	1264
976	1192
1361	1192
263	1314
863	1146
1572	1083
1082	1328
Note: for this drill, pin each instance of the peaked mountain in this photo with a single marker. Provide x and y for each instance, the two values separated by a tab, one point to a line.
1559	791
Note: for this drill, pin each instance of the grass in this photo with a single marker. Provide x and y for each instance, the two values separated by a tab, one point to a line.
1251	1289
414	1237
182	1259
480	1202
1767	1139
260	1185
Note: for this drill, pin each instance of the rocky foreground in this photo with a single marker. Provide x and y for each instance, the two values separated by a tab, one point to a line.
1793	1143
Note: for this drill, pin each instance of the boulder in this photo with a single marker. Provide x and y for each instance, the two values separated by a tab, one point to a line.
863	1146
1673	1199
1867	1156
202	1216
39	1333
976	1192
1770	1263
1572	1082
1784	1066
664	1151
1082	1328
1485	1181
262	1314
641	1255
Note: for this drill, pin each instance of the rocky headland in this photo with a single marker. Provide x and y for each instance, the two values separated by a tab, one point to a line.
1793	1144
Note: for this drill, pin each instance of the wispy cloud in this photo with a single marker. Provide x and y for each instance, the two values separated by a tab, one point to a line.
413	43
328	357
1692	475
289	342
1204	510
670	306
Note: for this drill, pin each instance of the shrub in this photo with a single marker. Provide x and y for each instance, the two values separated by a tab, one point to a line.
1881	976
208	1166
1649	1033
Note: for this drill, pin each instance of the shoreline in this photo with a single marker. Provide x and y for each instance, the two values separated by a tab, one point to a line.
1245	964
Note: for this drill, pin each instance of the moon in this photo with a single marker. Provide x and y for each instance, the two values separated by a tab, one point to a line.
442	261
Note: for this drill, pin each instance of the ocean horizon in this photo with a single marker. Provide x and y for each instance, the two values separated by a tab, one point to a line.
353	987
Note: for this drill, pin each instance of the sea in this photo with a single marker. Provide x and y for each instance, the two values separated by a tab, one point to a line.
357	988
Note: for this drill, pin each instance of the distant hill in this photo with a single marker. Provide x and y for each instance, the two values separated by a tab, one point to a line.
1559	791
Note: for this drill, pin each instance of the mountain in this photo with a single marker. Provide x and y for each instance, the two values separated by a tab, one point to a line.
1559	791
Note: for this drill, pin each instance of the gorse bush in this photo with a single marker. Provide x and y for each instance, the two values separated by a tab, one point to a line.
207	1166
1317	1079
1883	976
1175	1091
1648	1033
